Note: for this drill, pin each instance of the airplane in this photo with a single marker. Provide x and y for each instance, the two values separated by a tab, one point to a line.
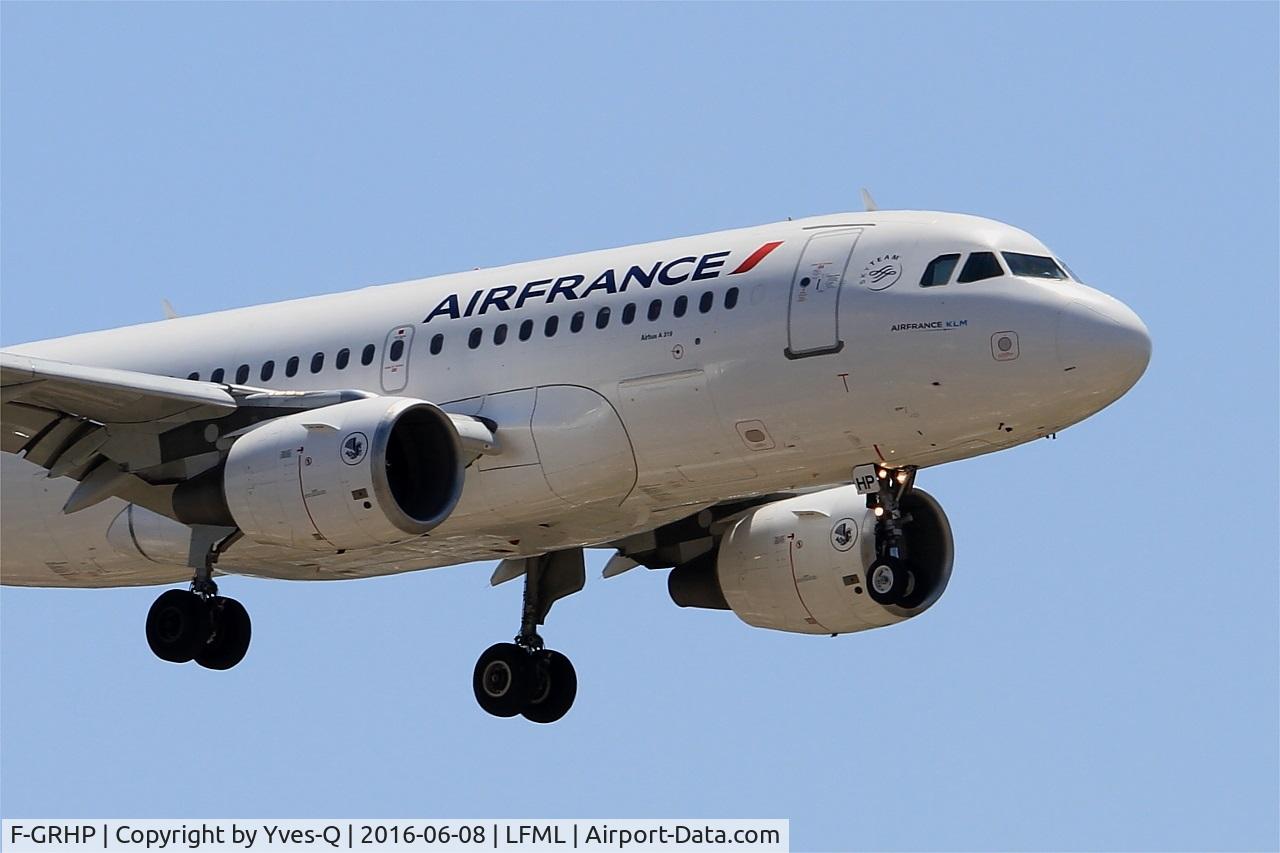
747	408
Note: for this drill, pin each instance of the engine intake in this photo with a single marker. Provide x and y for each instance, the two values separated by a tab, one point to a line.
800	564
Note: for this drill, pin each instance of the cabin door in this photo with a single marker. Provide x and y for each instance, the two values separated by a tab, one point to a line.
813	313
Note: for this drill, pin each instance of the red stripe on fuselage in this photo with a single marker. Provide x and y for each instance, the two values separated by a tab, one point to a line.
756	257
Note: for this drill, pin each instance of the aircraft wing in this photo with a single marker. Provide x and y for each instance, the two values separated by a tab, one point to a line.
105	394
134	435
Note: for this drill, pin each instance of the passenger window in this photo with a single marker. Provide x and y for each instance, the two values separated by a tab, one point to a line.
980	265
242	374
706	301
628	313
602	318
291	366
552	324
268	370
344	356
317	362
217	375
731	298
473	340
500	334
681	305
437	344
194	377
655	309
366	356
1033	266
397	349
575	322
526	330
939	270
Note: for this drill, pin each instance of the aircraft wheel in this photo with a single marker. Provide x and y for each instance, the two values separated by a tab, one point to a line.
888	580
177	626
504	679
557	686
231	632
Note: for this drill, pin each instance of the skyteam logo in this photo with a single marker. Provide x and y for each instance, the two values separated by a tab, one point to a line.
354	448
881	273
570	288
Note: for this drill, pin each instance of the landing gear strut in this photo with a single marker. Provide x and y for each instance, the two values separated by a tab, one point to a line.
890	579
198	624
524	677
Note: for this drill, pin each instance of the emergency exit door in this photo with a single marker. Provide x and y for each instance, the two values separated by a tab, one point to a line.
813	313
395	359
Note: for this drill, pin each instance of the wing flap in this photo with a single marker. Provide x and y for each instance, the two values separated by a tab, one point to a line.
23	425
59	436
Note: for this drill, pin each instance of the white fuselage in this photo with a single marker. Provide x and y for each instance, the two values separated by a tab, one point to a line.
824	354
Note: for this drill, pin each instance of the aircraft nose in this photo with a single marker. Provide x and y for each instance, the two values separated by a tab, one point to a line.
1103	343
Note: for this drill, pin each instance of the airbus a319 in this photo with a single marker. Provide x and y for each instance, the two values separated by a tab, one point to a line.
748	409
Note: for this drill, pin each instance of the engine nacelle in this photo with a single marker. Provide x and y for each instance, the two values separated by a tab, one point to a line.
800	564
352	475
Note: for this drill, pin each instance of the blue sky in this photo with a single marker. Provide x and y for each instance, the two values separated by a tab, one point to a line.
1102	672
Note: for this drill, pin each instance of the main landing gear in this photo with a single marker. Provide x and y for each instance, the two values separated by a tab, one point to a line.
524	677
198	624
890	579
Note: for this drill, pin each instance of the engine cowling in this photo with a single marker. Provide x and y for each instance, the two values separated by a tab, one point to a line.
800	564
352	475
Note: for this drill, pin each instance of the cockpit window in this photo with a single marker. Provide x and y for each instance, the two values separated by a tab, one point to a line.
979	266
939	270
1070	271
1033	266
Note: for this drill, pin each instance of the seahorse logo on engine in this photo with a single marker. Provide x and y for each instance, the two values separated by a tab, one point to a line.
844	534
354	448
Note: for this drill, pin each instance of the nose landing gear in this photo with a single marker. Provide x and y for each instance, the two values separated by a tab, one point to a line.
890	579
525	678
198	624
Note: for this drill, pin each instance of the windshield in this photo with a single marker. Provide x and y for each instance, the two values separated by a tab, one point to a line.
981	265
1070	271
1033	266
939	270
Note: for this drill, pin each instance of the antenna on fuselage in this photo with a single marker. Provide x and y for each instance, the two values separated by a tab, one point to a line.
169	313
868	203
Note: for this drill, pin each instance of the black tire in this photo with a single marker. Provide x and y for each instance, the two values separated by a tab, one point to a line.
888	580
504	679
556	690
913	596
177	626
231	632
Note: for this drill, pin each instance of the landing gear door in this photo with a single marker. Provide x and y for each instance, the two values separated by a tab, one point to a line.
813	313
395	359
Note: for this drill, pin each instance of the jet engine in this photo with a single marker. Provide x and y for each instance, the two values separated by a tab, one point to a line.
801	564
351	475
